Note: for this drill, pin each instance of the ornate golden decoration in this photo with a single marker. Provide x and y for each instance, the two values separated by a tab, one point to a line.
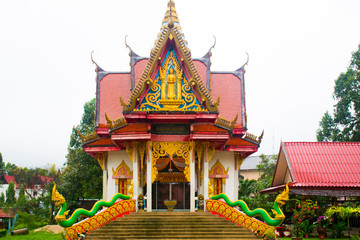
117	123
171	149
222	122
122	170
172	92
101	158
218	171
211	151
80	135
254	138
164	177
130	150
170	30
56	197
131	189
239	157
210	190
199	148
142	150
235	216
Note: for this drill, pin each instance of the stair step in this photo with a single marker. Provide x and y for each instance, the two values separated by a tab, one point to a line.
171	225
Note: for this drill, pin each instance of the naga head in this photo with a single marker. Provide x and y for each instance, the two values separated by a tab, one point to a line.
284	196
210	191
56	197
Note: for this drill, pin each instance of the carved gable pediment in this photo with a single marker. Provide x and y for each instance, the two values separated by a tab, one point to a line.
218	171
170	81
122	171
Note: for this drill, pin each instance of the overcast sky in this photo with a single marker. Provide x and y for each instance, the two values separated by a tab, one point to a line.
297	49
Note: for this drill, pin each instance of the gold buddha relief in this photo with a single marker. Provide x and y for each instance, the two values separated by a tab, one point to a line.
170	82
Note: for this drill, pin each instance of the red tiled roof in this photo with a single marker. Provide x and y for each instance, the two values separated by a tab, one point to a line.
46	180
5	214
324	164
9	179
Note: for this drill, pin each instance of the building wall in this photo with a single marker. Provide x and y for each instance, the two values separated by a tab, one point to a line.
252	174
113	161
232	183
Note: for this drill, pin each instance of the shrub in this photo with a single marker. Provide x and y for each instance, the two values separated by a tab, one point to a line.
31	221
3	232
304	212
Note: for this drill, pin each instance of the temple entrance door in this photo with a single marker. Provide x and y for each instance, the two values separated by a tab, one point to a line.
180	191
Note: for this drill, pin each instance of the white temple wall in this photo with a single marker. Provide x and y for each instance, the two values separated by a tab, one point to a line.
113	161
231	184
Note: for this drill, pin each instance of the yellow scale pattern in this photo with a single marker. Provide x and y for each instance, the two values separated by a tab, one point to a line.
238	217
117	210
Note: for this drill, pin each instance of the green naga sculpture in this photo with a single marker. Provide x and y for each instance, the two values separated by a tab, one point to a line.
279	202
59	201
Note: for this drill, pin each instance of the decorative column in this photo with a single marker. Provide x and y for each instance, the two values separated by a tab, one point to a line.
105	179
206	173
192	178
135	173
148	178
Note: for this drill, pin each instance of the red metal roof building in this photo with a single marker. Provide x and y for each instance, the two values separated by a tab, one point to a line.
318	168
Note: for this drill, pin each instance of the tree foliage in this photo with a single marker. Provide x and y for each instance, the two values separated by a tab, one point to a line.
10	194
249	190
344	124
82	176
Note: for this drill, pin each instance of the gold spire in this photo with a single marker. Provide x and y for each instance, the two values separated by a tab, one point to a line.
171	16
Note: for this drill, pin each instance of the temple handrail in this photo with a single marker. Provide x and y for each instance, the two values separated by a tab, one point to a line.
279	201
238	217
119	209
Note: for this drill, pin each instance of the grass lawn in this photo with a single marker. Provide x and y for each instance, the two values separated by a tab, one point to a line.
36	236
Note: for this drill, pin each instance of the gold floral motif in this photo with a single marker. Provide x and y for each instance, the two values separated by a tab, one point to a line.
254	138
171	149
175	85
101	218
236	216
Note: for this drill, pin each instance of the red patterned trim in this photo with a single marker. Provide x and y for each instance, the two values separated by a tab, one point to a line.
109	214
235	216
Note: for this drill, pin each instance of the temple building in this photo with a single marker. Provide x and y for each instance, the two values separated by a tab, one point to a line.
170	128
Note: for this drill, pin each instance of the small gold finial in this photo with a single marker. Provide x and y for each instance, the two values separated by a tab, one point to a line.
170	15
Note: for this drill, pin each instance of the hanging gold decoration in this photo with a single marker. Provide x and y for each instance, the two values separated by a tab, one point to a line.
171	150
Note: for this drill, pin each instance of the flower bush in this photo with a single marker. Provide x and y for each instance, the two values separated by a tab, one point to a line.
323	221
304	212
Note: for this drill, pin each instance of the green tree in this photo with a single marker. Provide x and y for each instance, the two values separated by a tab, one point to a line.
10	194
82	176
22	201
249	190
344	124
246	188
345	213
2	200
9	168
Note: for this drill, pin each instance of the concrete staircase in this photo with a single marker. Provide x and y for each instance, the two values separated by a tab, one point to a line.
171	225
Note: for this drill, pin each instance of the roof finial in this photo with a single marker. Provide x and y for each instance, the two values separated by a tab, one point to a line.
171	22
170	15
97	66
247	60
127	45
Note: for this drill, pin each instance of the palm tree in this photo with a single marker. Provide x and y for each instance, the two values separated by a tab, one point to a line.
344	212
